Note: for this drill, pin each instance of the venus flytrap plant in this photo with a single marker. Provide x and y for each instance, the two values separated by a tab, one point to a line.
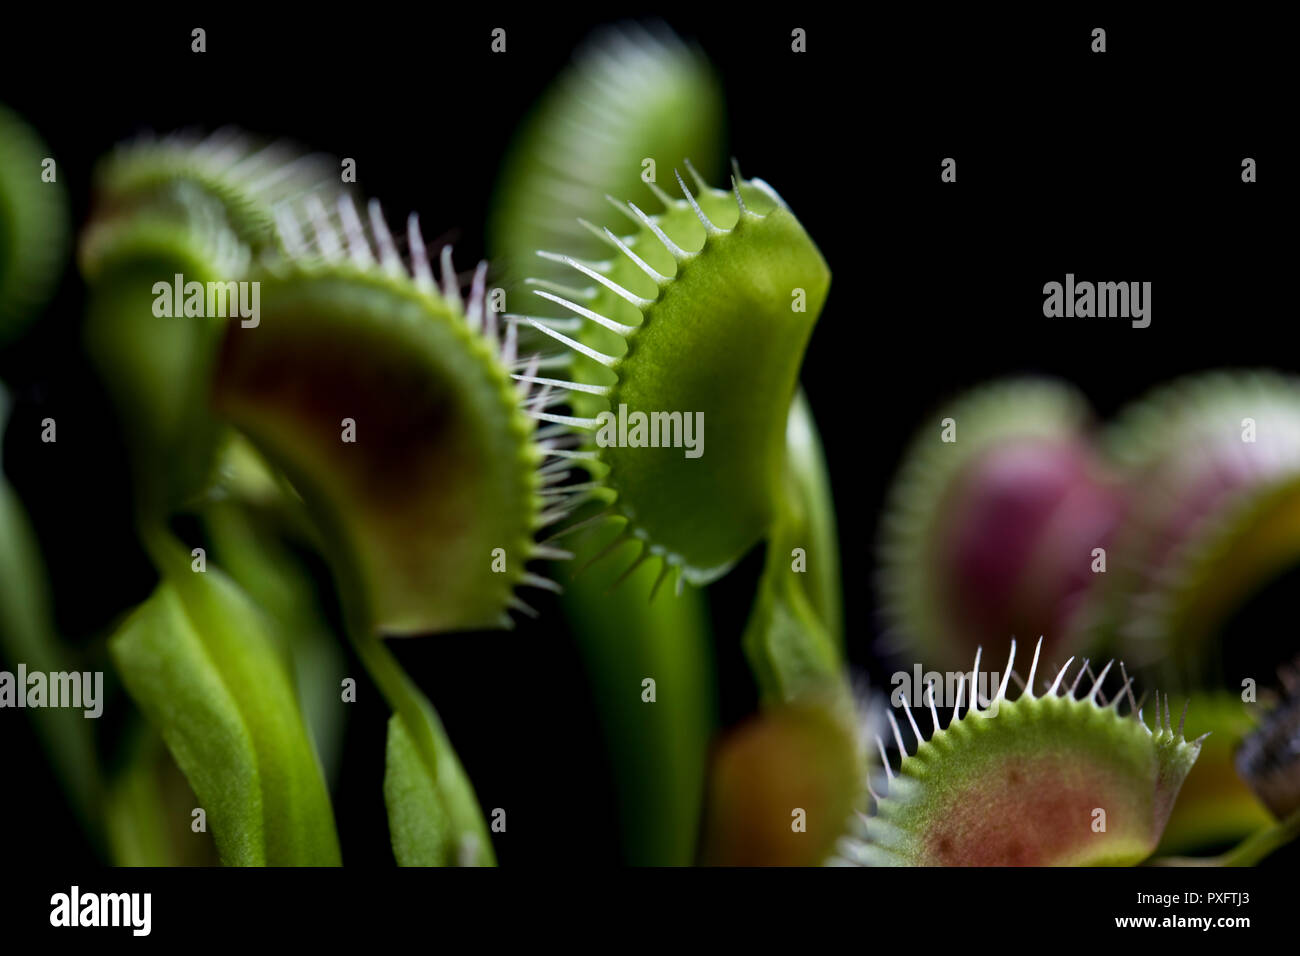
634	100
202	209
707	308
363	385
428	384
992	530
992	522
1212	467
206	209
704	313
1043	779
635	103
399	419
183	210
387	401
695	316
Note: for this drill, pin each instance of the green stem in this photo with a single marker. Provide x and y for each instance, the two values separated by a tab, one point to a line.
1249	851
659	752
404	698
450	786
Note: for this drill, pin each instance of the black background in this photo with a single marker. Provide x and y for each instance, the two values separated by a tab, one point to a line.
1119	166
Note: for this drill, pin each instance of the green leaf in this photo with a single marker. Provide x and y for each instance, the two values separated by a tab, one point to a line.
434	820
208	670
808	517
167	671
795	632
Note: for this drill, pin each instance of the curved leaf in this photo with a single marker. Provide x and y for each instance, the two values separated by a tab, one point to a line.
432	821
208	670
795	632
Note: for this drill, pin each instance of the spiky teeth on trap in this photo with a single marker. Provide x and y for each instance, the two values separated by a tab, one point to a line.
705	310
1044	779
245	179
635	99
386	399
1215	806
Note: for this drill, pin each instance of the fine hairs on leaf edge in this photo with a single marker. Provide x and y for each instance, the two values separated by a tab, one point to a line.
250	178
